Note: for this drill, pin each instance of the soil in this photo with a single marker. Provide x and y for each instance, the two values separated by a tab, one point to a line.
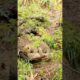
45	71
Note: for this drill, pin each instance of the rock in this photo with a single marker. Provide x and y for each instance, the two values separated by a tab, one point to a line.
32	53
45	48
22	41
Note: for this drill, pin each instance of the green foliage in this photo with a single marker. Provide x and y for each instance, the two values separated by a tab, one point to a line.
46	37
33	9
49	40
58	38
24	69
45	3
40	8
57	5
56	55
41	73
36	23
36	41
58	73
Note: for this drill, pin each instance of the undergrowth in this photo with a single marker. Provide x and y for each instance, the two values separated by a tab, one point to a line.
40	8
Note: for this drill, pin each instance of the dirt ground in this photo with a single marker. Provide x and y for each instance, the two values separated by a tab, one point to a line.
45	71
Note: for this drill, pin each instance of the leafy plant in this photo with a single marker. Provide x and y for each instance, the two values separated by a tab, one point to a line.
41	8
36	41
46	37
24	69
58	73
49	40
45	3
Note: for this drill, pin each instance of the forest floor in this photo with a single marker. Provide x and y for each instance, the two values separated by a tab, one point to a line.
50	69
45	70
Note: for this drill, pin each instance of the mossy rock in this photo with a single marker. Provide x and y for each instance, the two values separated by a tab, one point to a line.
30	52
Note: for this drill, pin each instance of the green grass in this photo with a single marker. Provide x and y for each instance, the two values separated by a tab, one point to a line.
41	8
58	38
58	73
56	56
24	69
